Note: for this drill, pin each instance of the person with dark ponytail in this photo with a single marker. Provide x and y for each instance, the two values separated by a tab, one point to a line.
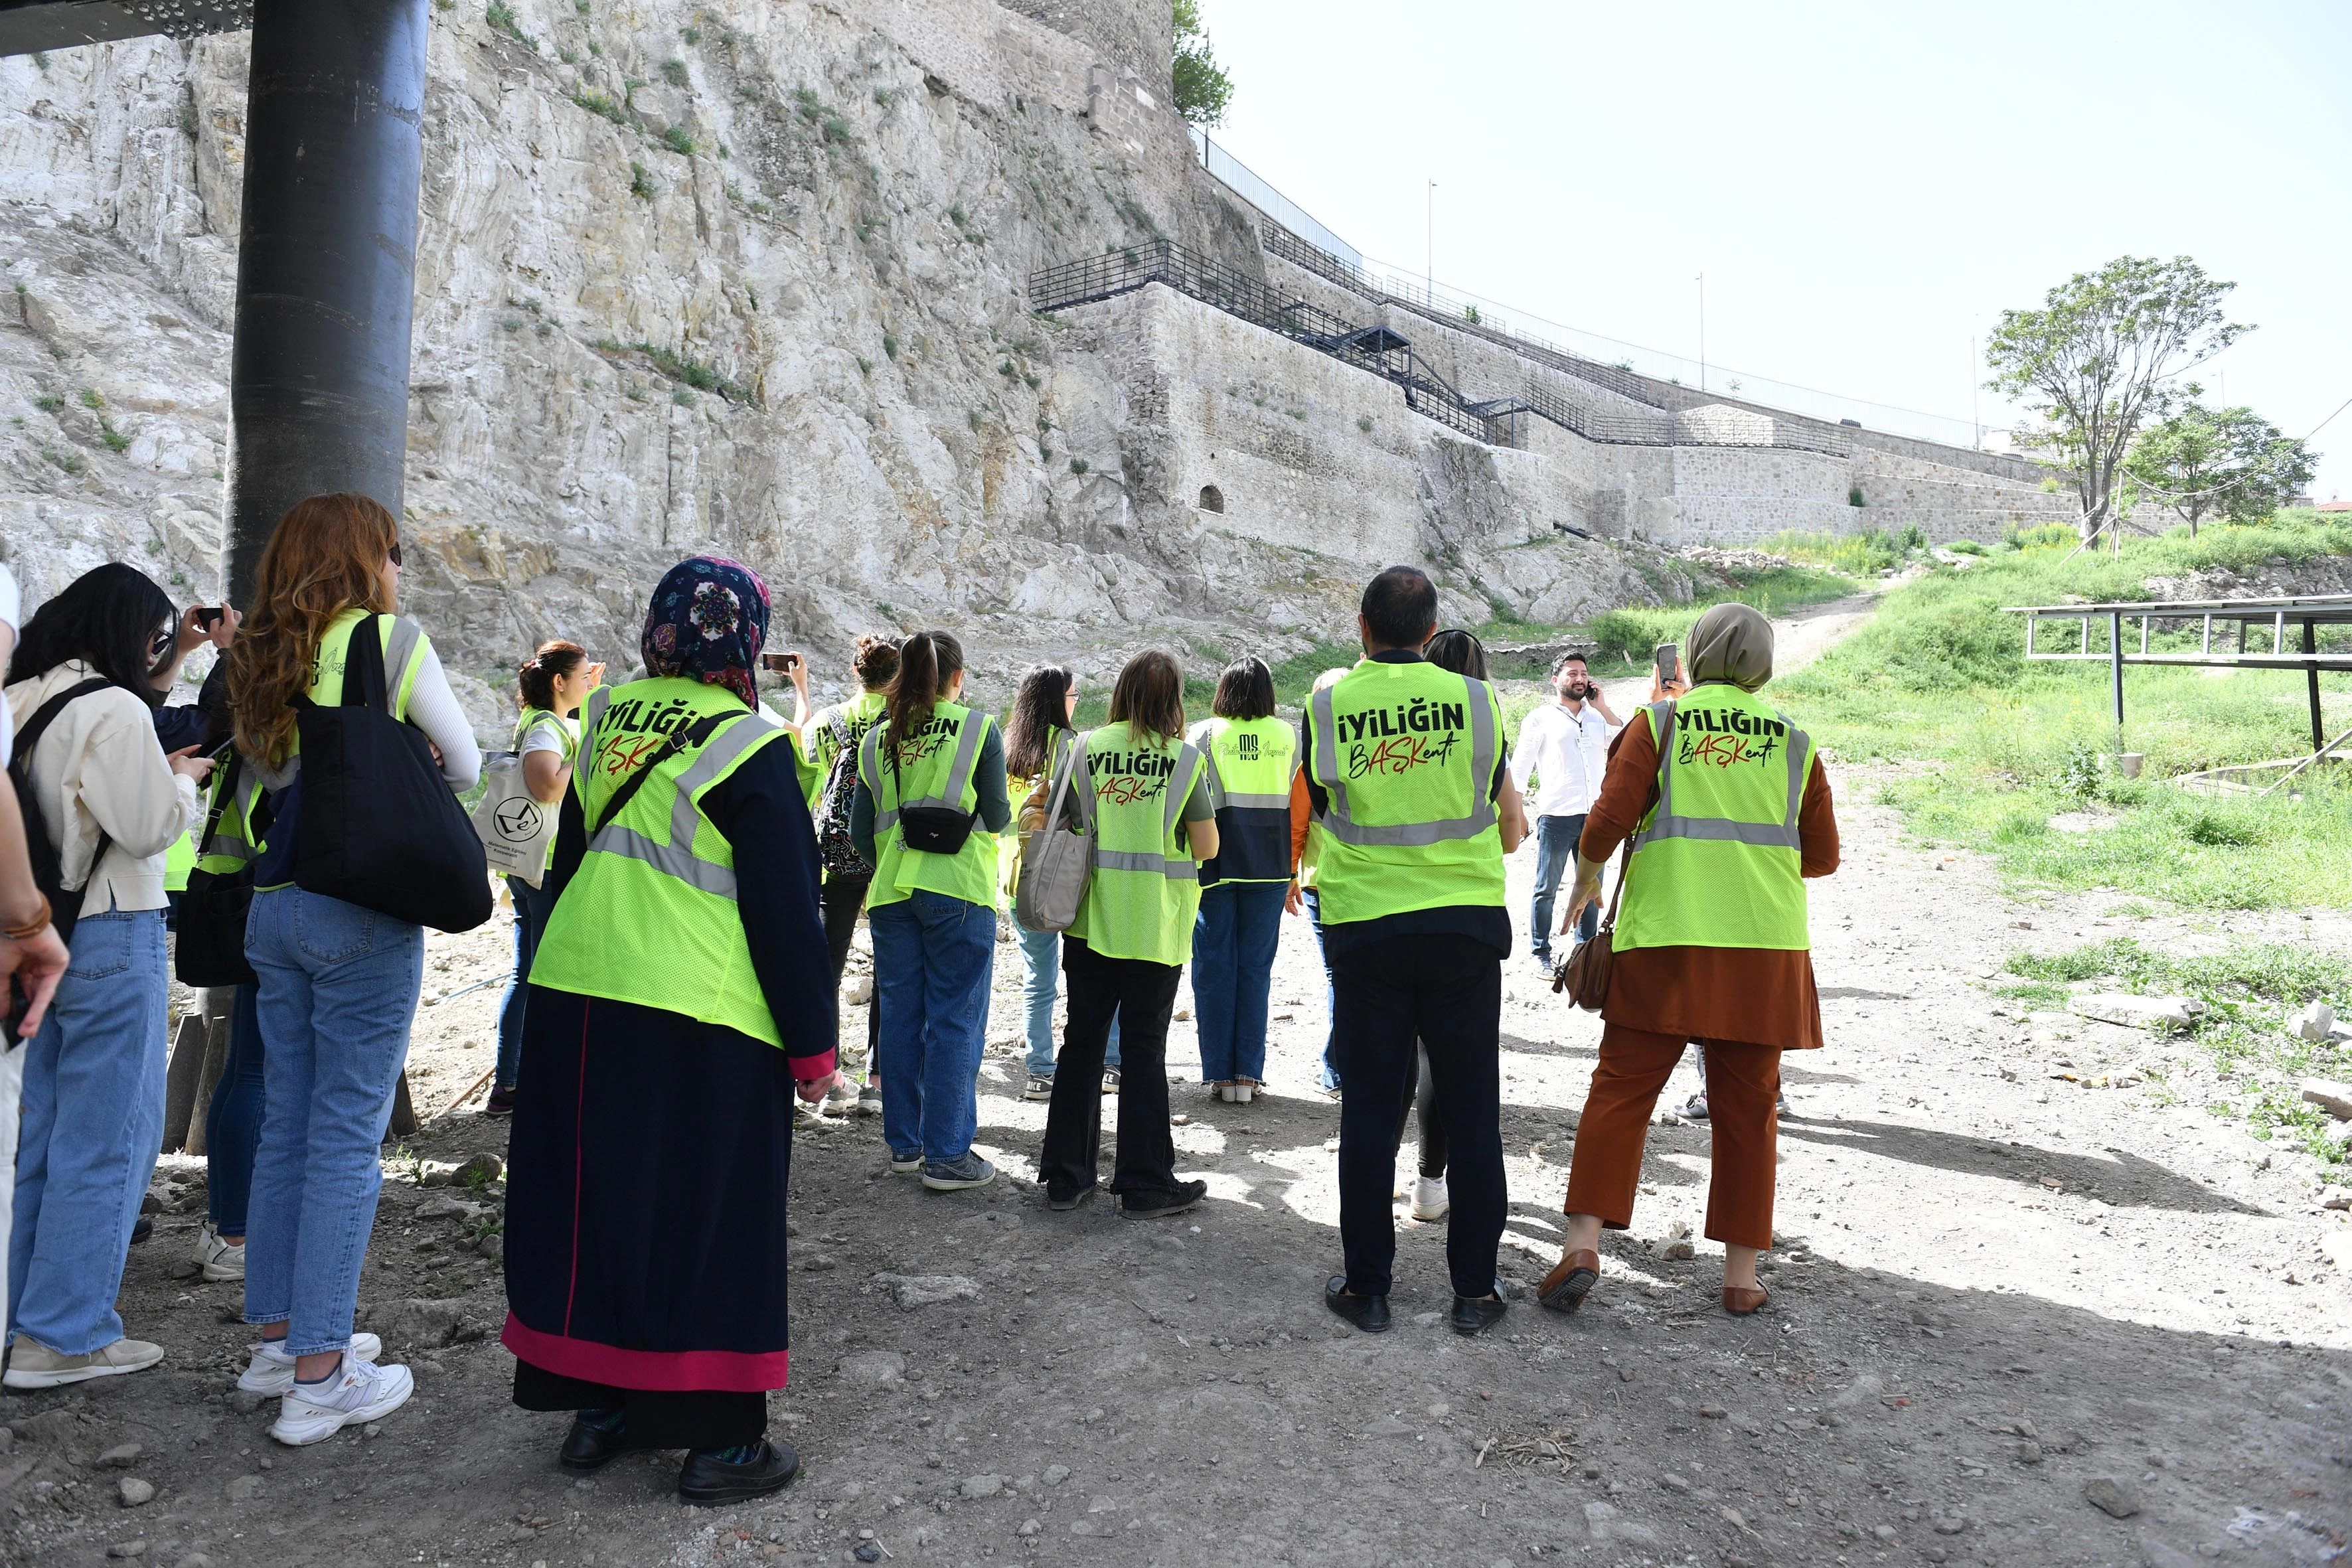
930	802
829	742
549	687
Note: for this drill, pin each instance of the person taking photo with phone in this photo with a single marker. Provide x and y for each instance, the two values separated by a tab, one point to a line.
82	688
1561	753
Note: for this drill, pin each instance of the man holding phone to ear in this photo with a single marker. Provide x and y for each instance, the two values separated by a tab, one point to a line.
1562	748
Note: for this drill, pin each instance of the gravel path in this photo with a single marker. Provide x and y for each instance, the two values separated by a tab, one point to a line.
2015	1321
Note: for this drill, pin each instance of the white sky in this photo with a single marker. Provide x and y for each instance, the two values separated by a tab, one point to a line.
1864	185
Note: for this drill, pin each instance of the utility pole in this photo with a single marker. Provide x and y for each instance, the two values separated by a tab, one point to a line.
1976	407
1702	332
1429	277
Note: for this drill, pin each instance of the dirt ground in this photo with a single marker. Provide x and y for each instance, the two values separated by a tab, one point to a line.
2015	1321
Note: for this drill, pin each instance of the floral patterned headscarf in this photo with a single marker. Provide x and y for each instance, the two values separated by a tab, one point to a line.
707	622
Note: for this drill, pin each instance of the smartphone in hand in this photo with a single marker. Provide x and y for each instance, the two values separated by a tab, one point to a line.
1670	664
779	663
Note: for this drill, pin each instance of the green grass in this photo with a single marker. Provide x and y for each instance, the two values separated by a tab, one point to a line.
1940	677
1628	637
2250	990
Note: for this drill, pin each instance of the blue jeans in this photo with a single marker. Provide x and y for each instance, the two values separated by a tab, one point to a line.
531	907
1233	939
1041	957
1556	839
1330	988
338	992
233	1124
92	1123
932	956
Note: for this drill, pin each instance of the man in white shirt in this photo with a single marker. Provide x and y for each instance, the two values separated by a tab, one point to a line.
1562	750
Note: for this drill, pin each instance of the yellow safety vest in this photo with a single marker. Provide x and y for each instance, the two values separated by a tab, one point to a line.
650	917
1146	886
1717	861
1248	765
1405	754
938	769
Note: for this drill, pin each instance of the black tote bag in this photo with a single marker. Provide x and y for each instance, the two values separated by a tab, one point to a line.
209	947
379	826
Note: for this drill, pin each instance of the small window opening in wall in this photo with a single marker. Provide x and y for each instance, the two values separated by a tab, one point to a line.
1212	499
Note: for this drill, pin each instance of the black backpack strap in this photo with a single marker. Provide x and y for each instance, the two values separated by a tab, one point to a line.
225	791
696	733
30	735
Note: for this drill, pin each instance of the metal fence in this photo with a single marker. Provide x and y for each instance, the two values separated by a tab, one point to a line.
1269	200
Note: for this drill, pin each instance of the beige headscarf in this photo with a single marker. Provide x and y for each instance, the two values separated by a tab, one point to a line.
1731	643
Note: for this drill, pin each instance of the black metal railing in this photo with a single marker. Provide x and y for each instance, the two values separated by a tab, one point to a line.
1373	349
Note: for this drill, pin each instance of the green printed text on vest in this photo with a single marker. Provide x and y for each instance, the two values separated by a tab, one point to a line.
1146	886
1716	862
650	917
936	768
1405	754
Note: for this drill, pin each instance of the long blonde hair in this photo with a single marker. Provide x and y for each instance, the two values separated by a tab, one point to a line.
325	556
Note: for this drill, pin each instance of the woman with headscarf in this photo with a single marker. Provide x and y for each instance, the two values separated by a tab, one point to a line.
1727	817
676	1009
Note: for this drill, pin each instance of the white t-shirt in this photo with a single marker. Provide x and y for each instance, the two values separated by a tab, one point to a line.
1565	754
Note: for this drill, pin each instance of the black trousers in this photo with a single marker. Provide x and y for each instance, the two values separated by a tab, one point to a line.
1141	996
1448	991
1420	1099
841	900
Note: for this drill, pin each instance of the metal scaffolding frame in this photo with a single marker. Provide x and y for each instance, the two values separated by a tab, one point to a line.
2245	621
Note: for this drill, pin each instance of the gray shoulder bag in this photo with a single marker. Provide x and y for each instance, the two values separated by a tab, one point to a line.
1056	862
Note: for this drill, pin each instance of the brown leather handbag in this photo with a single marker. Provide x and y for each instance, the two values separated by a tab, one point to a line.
1585	975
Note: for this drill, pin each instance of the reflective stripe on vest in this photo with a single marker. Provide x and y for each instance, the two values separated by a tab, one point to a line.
952	790
1717	860
1146	890
1665	823
677	858
650	922
1341	825
969	873
1404	758
1246	765
229	846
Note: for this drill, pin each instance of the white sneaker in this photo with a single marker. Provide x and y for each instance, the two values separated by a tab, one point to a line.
220	1261
357	1391
1245	1090
1429	1197
32	1365
272	1371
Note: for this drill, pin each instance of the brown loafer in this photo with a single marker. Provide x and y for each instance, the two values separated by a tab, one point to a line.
1571	1280
1741	1303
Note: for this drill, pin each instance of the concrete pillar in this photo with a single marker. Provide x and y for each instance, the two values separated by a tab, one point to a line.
326	262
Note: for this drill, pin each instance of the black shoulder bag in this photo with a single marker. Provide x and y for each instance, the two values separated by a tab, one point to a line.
209	947
380	827
48	872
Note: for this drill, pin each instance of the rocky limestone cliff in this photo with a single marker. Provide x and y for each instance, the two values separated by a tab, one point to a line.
744	278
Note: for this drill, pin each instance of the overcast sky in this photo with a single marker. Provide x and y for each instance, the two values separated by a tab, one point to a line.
1864	186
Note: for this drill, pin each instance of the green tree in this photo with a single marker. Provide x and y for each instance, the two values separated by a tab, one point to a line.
2227	463
2097	358
1202	88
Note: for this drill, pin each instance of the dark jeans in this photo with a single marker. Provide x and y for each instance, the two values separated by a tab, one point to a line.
531	907
1556	839
1142	995
841	900
233	1123
1330	989
1448	990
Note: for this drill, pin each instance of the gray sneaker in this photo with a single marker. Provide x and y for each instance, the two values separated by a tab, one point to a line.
971	1170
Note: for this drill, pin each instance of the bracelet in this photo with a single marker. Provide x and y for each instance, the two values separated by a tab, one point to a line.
33	927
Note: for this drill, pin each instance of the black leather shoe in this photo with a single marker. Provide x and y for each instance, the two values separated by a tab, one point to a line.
1069	1201
706	1477
587	1447
1474	1315
1369	1313
1153	1205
